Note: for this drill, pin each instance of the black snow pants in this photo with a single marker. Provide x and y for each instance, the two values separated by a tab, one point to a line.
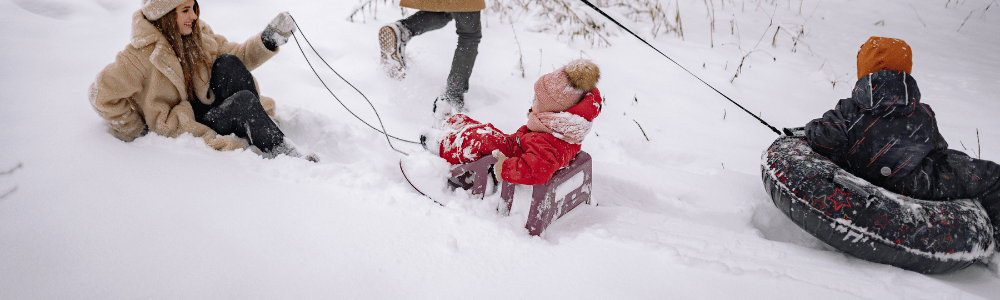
951	174
237	108
469	30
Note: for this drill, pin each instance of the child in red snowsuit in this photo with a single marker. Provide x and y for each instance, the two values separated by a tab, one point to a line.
565	104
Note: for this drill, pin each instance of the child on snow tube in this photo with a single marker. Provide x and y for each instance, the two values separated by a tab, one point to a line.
566	102
883	134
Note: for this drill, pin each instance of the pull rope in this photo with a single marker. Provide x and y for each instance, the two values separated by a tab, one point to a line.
383	131
679	65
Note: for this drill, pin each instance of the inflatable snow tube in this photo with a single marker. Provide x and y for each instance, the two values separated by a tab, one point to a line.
871	223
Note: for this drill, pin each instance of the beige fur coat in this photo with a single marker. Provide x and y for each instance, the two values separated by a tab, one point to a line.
144	87
445	5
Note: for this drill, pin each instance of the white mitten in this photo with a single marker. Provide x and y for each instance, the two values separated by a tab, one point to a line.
277	32
498	166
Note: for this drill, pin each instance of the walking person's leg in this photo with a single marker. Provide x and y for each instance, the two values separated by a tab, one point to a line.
393	38
469	30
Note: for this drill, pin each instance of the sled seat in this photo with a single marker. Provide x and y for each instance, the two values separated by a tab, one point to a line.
545	207
480	175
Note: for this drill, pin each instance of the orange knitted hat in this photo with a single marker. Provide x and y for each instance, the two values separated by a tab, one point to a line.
880	53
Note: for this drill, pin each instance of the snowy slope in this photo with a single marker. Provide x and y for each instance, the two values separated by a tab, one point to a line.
682	215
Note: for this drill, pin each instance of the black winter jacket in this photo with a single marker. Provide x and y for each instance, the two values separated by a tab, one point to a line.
882	132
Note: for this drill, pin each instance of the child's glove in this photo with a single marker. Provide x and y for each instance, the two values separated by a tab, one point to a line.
499	164
277	32
797	131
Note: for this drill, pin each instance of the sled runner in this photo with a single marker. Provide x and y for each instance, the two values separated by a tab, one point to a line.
568	188
869	222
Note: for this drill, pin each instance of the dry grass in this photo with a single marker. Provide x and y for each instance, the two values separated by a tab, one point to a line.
568	19
369	9
571	20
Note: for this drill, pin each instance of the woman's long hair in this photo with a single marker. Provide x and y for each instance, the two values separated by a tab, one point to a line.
188	48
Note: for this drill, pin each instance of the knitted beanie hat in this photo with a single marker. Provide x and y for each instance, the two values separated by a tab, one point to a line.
880	53
155	9
560	90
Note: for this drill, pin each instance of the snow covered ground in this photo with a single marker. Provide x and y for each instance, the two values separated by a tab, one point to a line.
682	215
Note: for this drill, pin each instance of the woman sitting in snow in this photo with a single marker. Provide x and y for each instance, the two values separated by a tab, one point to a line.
177	76
886	136
565	103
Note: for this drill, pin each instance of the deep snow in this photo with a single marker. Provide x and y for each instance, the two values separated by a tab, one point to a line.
682	215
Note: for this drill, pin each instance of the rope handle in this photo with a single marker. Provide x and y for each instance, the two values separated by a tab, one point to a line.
383	131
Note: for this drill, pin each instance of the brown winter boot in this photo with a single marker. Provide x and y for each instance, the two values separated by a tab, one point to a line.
392	40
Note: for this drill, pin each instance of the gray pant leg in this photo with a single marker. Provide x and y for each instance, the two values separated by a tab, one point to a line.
469	31
424	21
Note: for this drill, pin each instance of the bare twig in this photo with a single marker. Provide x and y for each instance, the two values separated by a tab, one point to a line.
966	19
8	172
774	39
739	68
710	7
979	153
677	19
8	193
640	129
540	61
369	6
520	56
11	171
918	15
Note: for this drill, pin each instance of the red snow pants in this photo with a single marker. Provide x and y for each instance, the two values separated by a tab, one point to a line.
468	140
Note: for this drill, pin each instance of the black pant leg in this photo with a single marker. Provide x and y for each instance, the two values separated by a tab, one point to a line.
950	175
243	115
229	76
237	108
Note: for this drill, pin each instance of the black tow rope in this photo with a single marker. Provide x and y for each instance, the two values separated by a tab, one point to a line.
383	131
679	65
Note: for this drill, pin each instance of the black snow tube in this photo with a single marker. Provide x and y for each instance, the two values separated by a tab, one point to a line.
869	222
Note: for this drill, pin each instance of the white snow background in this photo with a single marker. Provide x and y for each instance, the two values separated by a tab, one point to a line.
682	216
